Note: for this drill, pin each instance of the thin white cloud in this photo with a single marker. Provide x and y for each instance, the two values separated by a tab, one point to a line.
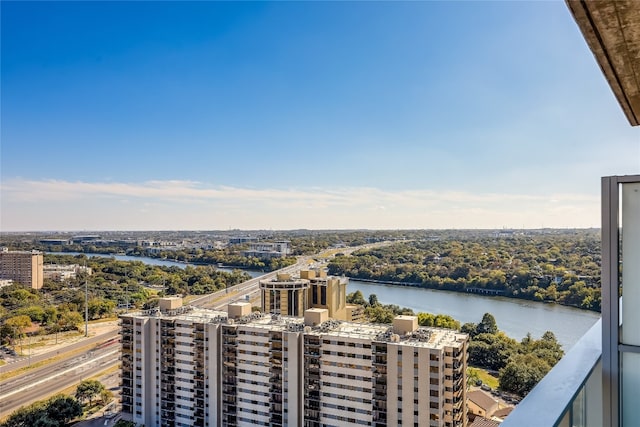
193	205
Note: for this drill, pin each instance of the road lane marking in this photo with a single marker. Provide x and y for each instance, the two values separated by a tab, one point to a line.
44	380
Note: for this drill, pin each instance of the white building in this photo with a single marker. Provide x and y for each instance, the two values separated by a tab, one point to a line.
61	272
193	367
265	250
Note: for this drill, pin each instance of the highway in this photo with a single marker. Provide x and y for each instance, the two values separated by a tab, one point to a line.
43	382
26	361
239	291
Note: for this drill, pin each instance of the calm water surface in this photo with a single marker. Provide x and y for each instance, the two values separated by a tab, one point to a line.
514	316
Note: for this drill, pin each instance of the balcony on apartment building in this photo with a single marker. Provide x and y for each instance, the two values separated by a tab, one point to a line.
598	381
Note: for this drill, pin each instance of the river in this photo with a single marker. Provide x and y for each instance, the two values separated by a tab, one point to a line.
515	317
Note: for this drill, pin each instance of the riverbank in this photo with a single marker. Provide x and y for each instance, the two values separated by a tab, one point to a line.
516	317
472	290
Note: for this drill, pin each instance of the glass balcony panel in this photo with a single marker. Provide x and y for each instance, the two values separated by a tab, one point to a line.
578	410
631	266
630	372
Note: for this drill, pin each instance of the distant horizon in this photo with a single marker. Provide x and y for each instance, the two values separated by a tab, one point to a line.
289	115
296	229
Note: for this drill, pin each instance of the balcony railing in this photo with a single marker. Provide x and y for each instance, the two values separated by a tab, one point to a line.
570	395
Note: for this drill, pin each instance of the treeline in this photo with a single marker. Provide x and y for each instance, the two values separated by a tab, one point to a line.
377	312
60	410
231	256
57	411
116	280
520	364
562	268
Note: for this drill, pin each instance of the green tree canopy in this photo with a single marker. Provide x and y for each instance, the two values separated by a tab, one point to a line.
522	373
88	390
356	298
57	411
488	325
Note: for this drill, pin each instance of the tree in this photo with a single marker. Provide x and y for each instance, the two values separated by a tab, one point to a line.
16	325
380	314
124	423
522	373
356	298
54	412
469	328
70	320
373	300
106	396
63	409
491	351
88	390
425	319
488	325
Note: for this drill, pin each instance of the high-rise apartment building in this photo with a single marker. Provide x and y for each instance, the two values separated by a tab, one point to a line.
25	267
192	367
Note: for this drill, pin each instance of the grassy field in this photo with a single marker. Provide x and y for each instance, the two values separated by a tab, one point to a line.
483	376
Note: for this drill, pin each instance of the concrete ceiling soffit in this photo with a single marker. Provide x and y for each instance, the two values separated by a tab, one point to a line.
612	31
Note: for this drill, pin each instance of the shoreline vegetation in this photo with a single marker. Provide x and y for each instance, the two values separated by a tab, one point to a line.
557	266
562	269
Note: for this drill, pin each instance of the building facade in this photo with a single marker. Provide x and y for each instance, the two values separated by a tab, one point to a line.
285	295
25	267
327	292
194	367
269	250
61	272
289	296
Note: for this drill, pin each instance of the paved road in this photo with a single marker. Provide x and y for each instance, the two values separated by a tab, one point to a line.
34	386
238	291
25	361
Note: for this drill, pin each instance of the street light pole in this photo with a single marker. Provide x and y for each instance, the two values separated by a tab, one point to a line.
86	302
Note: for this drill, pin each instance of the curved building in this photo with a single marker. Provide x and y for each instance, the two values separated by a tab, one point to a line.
285	295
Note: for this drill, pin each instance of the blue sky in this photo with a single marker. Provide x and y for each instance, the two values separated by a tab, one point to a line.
209	115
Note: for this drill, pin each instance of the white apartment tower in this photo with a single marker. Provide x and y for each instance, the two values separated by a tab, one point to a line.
170	366
193	367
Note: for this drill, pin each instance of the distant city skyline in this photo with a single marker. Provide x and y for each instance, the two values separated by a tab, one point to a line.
318	115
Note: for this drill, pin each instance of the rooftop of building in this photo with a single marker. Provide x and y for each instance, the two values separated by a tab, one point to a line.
5	250
503	412
482	399
429	337
187	313
483	422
